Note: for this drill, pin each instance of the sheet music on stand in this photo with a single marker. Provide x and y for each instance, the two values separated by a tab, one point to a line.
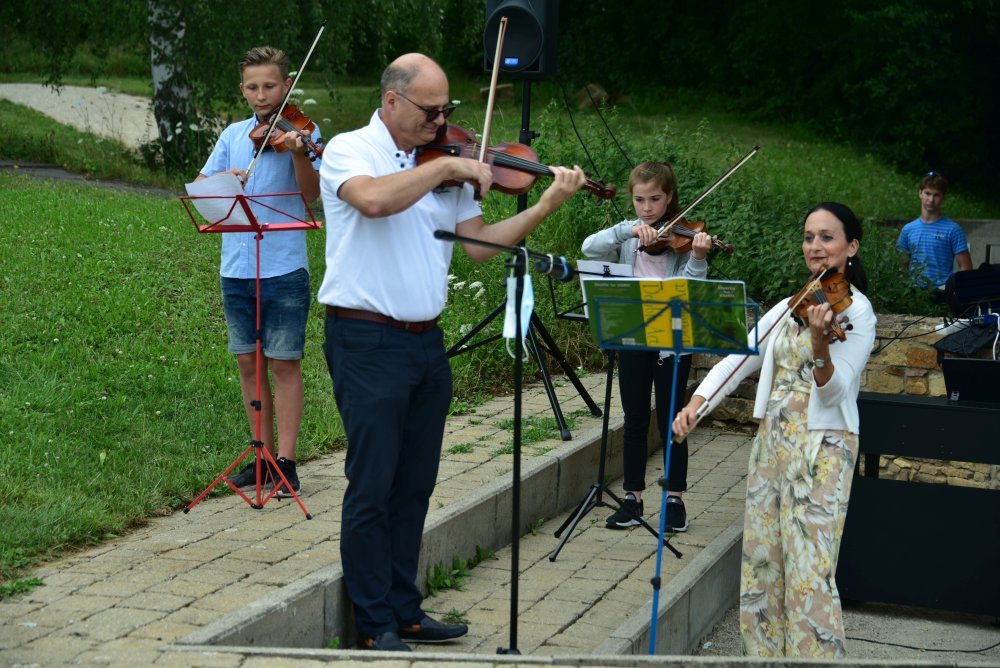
639	313
220	202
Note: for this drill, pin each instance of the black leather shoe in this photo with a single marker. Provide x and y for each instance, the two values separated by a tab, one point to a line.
431	630
386	642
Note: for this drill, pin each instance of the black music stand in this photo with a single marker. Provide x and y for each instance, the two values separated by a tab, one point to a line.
239	217
518	262
595	496
633	314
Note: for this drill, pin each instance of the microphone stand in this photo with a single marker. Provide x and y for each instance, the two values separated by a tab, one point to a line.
518	262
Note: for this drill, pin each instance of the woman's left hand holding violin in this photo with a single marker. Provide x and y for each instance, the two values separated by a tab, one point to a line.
819	319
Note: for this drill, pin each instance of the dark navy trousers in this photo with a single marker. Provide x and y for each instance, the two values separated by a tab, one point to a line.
393	389
639	371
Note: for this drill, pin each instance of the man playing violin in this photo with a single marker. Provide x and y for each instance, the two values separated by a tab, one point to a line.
284	272
384	289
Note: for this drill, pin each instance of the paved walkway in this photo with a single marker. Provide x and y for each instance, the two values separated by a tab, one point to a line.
127	601
126	118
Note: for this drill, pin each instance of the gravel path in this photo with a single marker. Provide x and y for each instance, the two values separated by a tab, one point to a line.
99	111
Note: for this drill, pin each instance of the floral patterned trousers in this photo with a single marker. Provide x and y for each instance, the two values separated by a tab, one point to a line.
797	490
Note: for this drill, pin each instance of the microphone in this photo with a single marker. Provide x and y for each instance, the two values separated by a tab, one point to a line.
444	234
556	267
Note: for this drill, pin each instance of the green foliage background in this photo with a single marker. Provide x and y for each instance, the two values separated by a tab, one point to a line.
910	80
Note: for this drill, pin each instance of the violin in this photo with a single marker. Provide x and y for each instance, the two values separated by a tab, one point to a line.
683	236
830	288
291	120
515	166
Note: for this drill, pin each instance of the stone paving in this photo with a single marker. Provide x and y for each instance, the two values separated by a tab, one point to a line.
127	601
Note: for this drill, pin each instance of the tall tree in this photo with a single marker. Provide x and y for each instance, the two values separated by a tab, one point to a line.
173	105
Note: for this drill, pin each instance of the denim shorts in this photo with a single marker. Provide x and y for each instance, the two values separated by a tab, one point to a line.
284	310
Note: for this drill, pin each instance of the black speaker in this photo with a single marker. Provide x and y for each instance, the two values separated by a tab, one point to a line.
529	46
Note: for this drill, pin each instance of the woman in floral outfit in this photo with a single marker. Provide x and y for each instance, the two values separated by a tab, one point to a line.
802	459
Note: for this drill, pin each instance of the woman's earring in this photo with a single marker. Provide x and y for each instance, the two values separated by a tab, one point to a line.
848	262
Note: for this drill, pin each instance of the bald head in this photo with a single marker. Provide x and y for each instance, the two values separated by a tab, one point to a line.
409	68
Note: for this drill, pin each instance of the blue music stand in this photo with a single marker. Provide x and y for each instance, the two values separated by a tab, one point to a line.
612	332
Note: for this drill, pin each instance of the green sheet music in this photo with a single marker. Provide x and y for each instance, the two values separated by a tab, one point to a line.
637	312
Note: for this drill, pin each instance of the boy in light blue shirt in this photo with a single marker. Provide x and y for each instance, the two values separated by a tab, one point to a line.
933	242
284	272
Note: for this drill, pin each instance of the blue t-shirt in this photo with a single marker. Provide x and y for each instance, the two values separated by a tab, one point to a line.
280	252
932	248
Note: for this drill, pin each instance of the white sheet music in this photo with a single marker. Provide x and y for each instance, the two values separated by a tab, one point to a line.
219	192
605	269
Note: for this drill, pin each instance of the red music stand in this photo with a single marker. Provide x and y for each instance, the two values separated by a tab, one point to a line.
231	220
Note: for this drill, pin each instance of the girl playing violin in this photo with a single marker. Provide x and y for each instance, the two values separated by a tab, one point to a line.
285	294
653	186
802	459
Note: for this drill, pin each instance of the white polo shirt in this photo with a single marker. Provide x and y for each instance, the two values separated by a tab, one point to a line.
391	265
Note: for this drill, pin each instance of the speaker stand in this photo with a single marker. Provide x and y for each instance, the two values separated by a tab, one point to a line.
535	326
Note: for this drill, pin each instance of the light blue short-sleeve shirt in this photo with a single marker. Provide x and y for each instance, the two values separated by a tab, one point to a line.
281	252
932	248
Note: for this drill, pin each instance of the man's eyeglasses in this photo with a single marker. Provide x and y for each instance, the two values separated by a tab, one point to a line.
432	112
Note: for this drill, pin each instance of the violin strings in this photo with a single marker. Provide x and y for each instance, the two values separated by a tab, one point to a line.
512	161
517	162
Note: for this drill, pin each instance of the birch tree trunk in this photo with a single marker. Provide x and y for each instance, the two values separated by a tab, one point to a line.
173	106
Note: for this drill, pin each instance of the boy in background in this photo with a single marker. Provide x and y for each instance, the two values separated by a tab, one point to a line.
933	242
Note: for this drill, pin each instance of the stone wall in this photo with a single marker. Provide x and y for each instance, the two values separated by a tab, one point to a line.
904	361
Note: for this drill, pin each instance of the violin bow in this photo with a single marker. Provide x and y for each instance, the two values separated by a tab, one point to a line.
487	126
665	229
706	407
284	102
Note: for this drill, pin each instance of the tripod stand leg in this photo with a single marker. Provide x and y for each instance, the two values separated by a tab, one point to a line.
460	346
547	382
594	497
552	349
588	504
221	478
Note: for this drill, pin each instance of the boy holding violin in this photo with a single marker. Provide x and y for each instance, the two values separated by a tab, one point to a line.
282	166
653	186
